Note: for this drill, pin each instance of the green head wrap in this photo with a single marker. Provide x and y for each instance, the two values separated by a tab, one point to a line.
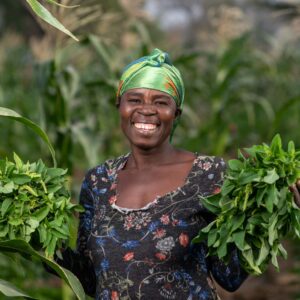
154	72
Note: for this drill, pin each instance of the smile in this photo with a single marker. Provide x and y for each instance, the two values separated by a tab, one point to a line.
145	126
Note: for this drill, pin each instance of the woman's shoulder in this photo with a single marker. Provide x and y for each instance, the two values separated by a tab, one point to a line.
212	159
108	166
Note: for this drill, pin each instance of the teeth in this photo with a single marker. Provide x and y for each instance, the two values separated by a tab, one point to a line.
145	126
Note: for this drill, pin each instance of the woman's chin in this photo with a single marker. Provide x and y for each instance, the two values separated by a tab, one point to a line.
148	143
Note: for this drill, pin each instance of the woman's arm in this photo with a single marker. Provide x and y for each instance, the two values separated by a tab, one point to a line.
78	261
229	276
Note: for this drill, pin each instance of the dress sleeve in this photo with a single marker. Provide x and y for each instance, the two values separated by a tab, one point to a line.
231	275
78	261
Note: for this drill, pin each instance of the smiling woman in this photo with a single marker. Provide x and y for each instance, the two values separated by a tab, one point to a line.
147	116
142	209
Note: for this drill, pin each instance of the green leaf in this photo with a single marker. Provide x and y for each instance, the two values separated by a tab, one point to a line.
33	224
271	177
271	198
227	187
208	227
56	172
30	190
20	179
20	246
4	230
260	195
44	14
5	206
61	5
271	230
212	236
9	290
276	144
263	252
237	221
282	251
291	148
248	255
7	188
211	203
248	176
235	164
18	161
274	257
222	250
10	114
15	222
238	239
41	213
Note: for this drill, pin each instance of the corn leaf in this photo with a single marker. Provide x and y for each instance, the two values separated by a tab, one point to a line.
45	15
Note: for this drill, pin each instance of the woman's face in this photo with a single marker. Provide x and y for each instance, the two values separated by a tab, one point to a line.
147	117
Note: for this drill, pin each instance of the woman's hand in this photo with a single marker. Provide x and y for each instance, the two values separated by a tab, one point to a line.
295	189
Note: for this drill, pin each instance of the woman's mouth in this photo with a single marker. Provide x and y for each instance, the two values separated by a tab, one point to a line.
145	127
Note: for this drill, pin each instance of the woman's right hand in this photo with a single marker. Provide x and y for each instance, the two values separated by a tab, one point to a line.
295	189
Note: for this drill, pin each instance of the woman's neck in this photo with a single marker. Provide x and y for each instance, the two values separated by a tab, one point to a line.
145	158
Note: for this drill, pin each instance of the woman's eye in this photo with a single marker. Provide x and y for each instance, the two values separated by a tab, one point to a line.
161	103
134	100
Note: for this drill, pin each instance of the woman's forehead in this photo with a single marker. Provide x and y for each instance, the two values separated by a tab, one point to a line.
145	91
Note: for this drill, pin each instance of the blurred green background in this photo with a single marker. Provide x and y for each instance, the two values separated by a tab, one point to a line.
240	61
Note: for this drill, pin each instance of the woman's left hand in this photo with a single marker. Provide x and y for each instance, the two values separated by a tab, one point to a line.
295	189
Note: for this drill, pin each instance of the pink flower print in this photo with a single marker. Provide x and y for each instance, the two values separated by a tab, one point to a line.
175	222
165	219
160	256
128	256
93	177
159	233
184	239
206	166
112	199
137	220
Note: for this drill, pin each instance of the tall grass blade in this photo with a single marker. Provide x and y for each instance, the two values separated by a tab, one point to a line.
45	15
22	247
9	290
61	5
11	114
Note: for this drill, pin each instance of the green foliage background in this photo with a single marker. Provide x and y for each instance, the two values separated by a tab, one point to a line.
238	93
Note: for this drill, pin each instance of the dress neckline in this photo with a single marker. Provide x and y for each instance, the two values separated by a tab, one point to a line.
124	159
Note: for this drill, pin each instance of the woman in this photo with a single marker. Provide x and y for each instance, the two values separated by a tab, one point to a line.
142	209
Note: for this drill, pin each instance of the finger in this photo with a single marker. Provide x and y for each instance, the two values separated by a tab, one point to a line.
296	193
298	183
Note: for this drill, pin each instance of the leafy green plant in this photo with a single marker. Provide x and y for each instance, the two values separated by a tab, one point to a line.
255	208
35	204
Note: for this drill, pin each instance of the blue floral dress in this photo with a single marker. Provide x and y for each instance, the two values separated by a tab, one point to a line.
147	253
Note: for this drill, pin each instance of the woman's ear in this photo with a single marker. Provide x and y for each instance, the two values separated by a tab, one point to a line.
118	102
178	112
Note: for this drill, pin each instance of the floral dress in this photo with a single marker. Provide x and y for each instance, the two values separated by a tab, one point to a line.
147	253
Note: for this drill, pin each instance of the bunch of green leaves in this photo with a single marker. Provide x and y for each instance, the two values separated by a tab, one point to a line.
35	205
255	208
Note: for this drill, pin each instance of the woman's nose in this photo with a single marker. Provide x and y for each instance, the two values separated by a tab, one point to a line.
147	109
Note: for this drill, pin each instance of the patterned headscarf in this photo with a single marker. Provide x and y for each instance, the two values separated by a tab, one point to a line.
154	72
